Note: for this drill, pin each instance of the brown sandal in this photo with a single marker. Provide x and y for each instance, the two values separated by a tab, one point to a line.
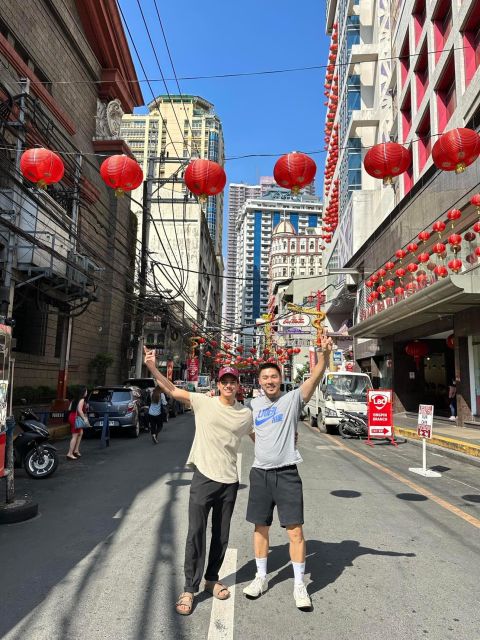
218	590
185	600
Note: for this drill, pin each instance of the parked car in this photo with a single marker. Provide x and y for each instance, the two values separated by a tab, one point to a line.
121	403
147	385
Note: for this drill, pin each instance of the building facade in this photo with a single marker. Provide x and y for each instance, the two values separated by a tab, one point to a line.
255	224
70	249
180	127
436	87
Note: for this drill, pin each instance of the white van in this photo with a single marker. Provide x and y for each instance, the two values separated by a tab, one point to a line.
337	392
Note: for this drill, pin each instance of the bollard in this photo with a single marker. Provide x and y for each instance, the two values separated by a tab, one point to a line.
105	439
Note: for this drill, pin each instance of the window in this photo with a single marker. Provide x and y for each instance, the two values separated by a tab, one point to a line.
406	113
353	32
354	164
353	94
446	94
442	25
421	75
405	59
424	141
471	42
312	246
419	14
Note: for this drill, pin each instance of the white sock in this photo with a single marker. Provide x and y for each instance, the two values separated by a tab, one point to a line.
261	567
298	571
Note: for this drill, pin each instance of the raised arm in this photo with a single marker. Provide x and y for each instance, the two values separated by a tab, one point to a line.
310	384
164	383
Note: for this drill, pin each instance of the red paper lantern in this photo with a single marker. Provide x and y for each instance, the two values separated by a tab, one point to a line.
475	200
455	265
412	247
381	289
470	236
455	240
438	248
381	273
294	171
389	265
421	278
412	267
477	252
389	283
208	354
401	253
451	341
121	173
41	166
441	271
439	226
399	291
424	236
476	227
375	295
412	286
205	178
416	350
423	257
454	214
387	160
456	150
400	273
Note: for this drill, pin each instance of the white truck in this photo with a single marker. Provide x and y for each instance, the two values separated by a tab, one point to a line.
337	392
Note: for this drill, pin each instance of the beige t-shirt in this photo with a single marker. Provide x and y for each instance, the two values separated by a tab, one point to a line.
219	429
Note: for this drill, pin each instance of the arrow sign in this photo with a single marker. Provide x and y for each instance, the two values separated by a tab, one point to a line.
381	431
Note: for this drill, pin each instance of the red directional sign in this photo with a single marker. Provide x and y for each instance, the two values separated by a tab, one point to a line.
380	414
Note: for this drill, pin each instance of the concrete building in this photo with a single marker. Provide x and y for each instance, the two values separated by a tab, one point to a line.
74	244
180	126
255	224
436	87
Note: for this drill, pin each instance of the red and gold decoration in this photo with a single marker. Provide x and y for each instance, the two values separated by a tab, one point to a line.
387	160
456	150
294	171
41	166
122	173
205	178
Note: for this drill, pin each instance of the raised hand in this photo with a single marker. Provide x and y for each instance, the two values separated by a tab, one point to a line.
326	343
149	356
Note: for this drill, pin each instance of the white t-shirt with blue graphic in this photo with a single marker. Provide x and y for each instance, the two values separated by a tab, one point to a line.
275	424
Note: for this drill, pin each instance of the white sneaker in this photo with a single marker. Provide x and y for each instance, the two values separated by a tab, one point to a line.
302	599
452	418
258	586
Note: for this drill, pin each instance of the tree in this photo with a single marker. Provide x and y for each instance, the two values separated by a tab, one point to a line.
97	368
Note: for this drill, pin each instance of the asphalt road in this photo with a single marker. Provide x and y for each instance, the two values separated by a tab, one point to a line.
391	555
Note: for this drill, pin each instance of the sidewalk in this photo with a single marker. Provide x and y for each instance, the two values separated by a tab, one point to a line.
465	440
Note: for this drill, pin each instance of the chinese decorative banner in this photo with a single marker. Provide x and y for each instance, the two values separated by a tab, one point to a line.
192	369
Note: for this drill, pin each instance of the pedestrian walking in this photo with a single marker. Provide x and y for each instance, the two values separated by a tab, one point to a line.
274	478
155	413
220	424
78	420
452	400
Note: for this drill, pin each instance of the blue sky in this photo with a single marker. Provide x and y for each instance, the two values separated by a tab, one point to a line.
263	114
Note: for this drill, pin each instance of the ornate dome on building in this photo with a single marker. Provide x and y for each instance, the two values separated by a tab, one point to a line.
284	227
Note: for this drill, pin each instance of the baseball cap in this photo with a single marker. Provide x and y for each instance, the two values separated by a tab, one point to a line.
228	371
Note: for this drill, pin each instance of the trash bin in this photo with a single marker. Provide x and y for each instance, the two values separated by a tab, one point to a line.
3	441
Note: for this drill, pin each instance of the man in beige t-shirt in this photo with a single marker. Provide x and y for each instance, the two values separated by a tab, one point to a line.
220	424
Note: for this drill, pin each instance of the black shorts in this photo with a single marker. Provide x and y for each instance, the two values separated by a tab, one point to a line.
280	487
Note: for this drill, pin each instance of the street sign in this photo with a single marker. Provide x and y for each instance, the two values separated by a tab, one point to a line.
424	431
425	421
338	357
380	415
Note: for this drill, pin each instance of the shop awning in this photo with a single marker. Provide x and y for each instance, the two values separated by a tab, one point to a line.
445	297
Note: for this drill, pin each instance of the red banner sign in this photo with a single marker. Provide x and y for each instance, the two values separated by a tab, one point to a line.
170	370
192	369
380	414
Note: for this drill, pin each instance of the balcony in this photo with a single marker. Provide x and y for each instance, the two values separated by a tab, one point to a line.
362	53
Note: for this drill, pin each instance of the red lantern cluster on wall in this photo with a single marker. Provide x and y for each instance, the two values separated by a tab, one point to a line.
294	171
331	185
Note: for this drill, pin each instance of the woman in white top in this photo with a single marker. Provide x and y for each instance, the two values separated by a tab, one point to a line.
155	414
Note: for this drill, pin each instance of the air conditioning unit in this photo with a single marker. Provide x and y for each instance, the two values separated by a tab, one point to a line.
83	271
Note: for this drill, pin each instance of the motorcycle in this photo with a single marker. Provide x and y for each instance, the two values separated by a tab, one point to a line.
352	426
32	449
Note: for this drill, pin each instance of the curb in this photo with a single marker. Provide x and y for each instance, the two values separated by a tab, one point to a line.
459	449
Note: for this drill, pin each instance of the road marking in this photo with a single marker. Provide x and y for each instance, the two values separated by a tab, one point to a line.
416	487
221	618
239	466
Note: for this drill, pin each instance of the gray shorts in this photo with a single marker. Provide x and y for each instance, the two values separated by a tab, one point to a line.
270	488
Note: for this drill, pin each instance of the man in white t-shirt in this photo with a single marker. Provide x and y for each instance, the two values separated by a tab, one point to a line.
220	424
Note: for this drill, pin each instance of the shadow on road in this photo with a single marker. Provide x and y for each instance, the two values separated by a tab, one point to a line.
326	561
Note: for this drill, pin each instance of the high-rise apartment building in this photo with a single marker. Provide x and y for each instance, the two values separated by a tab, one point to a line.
180	127
255	224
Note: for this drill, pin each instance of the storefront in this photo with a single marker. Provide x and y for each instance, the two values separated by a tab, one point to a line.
447	308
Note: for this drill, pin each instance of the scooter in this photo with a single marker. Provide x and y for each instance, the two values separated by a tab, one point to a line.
31	448
352	426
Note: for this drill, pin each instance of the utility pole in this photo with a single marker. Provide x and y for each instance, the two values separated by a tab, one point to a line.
204	326
142	280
